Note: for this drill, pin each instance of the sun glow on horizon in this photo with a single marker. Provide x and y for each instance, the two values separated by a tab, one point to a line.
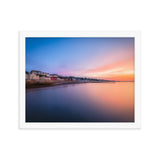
119	71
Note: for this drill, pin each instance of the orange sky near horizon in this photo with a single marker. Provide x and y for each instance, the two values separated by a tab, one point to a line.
120	70
117	64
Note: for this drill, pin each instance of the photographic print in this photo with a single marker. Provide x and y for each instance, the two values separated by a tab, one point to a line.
79	80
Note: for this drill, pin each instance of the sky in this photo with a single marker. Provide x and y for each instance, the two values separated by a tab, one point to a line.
102	58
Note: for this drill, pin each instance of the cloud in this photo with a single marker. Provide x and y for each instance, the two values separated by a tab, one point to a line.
117	71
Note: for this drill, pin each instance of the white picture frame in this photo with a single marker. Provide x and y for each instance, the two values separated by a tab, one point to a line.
126	125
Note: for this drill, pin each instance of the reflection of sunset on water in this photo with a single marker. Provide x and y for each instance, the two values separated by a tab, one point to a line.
87	102
117	98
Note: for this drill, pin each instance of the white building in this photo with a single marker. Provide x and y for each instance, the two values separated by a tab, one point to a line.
36	72
44	78
33	76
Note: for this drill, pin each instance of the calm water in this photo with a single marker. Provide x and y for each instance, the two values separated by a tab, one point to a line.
87	102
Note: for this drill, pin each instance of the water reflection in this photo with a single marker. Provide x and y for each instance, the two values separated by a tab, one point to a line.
88	102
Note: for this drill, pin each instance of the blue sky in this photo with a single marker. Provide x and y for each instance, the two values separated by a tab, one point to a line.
74	55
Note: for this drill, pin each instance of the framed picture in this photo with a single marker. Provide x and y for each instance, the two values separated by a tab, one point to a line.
79	79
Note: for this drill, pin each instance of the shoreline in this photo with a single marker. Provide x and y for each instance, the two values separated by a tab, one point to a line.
39	84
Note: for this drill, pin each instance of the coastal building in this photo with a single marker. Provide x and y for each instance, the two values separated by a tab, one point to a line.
54	77
43	77
47	74
40	73
33	76
36	72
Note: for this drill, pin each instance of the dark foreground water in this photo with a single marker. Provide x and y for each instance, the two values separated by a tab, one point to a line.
87	102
